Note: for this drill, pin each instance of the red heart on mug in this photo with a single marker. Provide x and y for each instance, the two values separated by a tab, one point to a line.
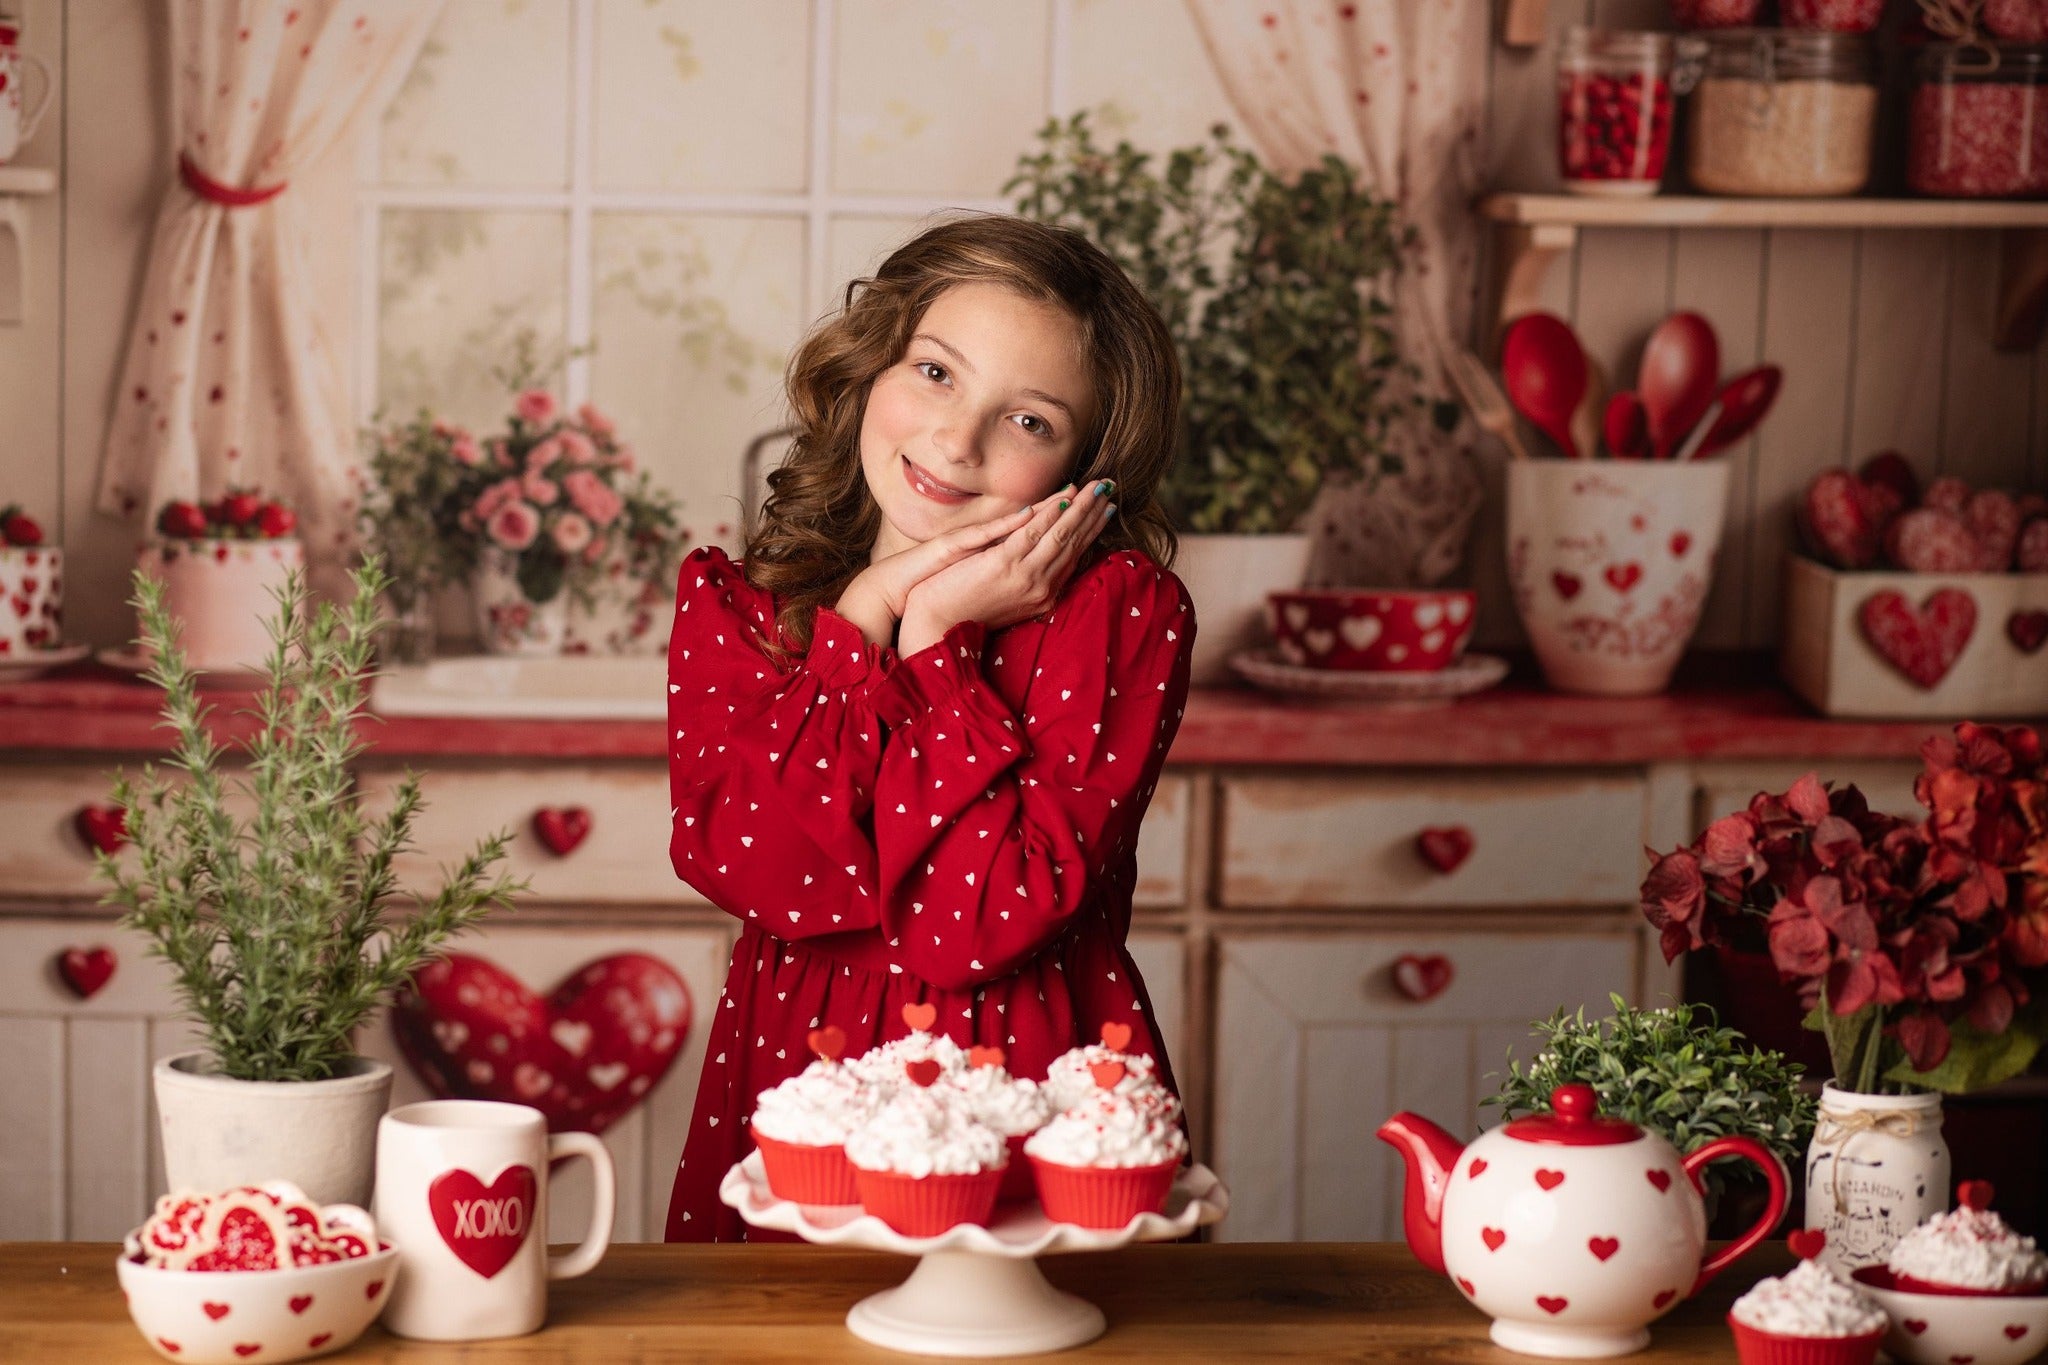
102	827
583	1055
561	828
922	1072
828	1042
921	1017
86	970
1921	642
1807	1243
1421	978
1567	584
1623	577
484	1225
1106	1074
1116	1037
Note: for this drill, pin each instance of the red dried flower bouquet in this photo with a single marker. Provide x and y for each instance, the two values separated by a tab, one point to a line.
1917	946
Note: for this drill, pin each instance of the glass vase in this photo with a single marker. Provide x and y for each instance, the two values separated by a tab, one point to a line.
1877	1166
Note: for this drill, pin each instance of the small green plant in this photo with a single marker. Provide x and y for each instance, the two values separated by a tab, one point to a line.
279	928
1667	1071
1275	292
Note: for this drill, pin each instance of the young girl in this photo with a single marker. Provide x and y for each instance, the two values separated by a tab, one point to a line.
915	733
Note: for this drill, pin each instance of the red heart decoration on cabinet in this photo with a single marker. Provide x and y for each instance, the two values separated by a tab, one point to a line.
921	1017
583	1055
483	1225
1807	1243
1116	1037
561	828
2027	630
86	970
1423	979
1444	847
102	827
1922	643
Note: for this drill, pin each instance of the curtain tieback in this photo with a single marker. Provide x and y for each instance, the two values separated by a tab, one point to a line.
227	196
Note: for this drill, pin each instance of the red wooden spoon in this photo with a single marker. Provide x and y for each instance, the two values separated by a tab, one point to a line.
1544	370
1744	401
1624	427
1680	370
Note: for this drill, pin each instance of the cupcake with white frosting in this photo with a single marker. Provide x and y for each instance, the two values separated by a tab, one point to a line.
1968	1251
1111	1156
801	1126
1014	1106
1070	1079
881	1068
922	1162
1809	1316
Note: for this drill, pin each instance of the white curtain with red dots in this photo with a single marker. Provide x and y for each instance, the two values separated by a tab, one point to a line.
1398	89
229	376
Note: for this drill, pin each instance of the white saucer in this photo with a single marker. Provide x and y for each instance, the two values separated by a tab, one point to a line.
22	667
1471	673
227	679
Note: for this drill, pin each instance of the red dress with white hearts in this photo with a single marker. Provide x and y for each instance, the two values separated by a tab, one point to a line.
958	825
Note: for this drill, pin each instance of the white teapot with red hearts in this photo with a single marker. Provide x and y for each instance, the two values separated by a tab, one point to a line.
1572	1231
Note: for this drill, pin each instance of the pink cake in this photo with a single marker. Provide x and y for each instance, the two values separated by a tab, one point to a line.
222	592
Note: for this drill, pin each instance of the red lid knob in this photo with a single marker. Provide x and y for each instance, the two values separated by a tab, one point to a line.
1575	1103
1573	1121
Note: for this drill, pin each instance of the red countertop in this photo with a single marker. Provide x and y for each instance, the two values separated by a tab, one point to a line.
1729	708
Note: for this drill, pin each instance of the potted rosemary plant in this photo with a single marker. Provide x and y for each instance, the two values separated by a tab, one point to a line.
279	927
1276	293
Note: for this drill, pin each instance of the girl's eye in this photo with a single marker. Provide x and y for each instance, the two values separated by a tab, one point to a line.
926	368
1037	425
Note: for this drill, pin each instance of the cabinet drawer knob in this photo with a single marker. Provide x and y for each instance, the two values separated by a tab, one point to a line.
561	828
1444	847
86	970
102	827
1421	977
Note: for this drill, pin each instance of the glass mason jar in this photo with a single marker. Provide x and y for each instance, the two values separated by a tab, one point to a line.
1978	122
1613	110
1779	112
1876	1167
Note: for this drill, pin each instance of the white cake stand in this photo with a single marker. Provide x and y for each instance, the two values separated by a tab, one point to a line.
976	1291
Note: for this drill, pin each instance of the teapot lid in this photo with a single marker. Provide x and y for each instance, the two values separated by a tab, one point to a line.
1573	1121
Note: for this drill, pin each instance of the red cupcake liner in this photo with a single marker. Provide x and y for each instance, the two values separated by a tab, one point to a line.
807	1175
1018	1184
927	1205
1757	1347
1102	1197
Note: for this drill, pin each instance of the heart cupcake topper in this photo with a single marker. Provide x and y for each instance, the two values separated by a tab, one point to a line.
828	1042
1106	1074
1116	1037
985	1056
921	1017
1975	1194
1807	1243
922	1072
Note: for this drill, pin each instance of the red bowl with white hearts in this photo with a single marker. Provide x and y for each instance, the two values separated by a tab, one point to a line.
1378	630
214	1317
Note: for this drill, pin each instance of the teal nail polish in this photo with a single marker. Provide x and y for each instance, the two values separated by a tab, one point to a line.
1112	510
1102	489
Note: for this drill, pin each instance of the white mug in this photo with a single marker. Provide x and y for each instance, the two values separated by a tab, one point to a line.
462	1192
17	127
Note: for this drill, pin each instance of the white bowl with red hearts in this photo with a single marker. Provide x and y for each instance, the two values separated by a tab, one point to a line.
1377	630
1940	1329
226	1317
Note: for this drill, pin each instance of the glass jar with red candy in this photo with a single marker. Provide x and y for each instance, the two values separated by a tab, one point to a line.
1613	110
1978	122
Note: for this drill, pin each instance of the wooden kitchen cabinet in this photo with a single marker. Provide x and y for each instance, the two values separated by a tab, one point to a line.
43	853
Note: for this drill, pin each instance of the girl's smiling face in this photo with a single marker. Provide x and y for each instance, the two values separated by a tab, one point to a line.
983	414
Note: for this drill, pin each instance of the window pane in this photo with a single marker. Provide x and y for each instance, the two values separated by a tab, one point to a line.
455	290
936	98
694	318
487	102
702	95
1141	63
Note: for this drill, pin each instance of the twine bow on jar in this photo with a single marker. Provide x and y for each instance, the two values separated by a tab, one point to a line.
1955	21
1835	1130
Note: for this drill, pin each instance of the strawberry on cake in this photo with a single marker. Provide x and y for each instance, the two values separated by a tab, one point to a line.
1968	1251
222	565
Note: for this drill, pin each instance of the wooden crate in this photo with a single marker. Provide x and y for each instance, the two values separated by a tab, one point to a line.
1826	658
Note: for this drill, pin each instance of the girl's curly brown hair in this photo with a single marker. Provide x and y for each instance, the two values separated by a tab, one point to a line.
819	521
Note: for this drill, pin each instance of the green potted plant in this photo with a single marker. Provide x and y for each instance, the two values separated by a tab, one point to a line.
1276	294
278	927
1675	1072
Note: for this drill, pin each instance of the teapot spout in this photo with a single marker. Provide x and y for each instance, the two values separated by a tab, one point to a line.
1431	1154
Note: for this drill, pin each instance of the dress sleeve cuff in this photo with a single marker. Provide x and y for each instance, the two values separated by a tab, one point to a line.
840	656
947	672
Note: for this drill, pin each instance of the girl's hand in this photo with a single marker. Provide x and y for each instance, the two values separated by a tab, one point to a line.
876	598
1014	579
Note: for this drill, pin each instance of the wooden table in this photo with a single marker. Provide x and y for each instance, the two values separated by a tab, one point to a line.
1232	1302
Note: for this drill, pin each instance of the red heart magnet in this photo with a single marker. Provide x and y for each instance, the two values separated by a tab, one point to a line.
1444	847
102	827
1116	1037
921	1017
86	970
1922	642
561	828
1106	1074
483	1225
1421	978
583	1055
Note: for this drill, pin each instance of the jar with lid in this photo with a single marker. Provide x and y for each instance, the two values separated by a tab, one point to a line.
1613	110
1783	112
1977	126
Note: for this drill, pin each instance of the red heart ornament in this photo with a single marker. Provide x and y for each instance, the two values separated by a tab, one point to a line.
1444	847
1106	1074
1623	577
1807	1243
1549	1180
1422	979
86	970
921	1017
1551	1305
561	828
2027	630
483	1225
1567	584
1922	643
922	1072
583	1055
986	1056
1603	1247
1493	1237
102	827
828	1042
1116	1037
1661	1179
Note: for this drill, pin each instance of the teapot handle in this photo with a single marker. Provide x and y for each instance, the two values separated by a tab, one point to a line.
1774	1173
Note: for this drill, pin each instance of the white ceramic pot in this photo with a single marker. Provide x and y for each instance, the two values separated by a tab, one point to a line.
320	1135
1610	562
1877	1167
1227	578
506	622
31	599
627	615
